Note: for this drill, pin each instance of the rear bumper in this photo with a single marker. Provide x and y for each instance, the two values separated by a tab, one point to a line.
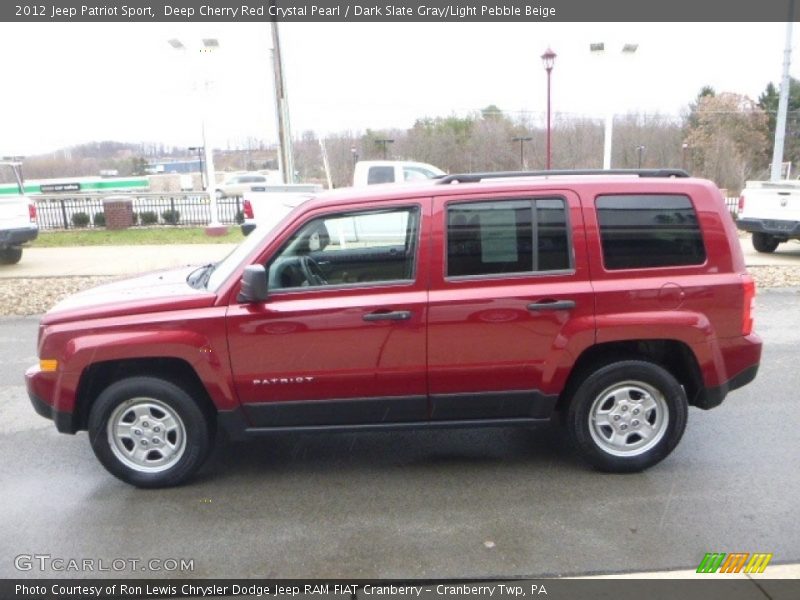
787	229
20	235
742	357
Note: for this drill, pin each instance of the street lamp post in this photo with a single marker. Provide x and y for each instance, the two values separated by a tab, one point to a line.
548	59
685	151
598	48
354	152
383	143
522	140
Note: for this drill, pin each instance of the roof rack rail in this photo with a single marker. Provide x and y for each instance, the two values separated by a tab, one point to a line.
475	177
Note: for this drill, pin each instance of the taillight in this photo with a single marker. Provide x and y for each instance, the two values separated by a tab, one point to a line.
741	203
248	210
32	212
749	304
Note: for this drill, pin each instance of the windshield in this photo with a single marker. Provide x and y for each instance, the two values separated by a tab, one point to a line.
225	268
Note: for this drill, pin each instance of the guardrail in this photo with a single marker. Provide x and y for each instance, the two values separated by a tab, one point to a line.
57	211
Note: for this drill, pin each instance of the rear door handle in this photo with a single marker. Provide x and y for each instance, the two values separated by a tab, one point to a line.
552	305
394	315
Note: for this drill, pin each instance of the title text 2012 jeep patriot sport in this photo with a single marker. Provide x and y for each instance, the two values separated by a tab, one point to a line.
614	300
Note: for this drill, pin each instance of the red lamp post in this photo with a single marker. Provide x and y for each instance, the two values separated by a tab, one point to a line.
548	58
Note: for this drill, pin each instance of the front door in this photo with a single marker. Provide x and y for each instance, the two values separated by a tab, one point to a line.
341	338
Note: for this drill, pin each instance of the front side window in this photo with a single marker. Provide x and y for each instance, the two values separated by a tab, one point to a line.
349	248
649	230
508	236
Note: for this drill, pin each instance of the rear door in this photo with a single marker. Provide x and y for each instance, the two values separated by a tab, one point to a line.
510	297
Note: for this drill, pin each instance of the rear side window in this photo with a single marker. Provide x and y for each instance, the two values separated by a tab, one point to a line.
380	175
509	236
642	231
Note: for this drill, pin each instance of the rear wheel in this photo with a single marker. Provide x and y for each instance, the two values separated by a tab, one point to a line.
149	432
627	416
763	242
10	255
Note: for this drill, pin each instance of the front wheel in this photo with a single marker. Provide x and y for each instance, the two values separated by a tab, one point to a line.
627	416
765	243
149	432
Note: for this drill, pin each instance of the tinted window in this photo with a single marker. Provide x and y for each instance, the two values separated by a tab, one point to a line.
649	231
380	175
351	248
514	236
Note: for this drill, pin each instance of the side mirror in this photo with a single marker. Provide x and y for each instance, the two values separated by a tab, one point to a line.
254	284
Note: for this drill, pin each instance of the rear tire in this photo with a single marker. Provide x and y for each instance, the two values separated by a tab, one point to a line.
765	243
10	255
627	416
149	432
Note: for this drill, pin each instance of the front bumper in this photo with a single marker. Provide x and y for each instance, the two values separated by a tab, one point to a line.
35	383
15	237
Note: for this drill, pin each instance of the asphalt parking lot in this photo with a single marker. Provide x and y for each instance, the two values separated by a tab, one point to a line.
468	503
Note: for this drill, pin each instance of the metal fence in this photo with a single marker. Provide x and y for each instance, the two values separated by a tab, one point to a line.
733	206
58	211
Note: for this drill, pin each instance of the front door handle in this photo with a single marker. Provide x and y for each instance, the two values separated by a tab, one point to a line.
394	315
552	305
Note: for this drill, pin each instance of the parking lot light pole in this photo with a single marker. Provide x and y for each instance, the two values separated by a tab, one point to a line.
599	49
383	143
522	140
209	46
548	60
640	151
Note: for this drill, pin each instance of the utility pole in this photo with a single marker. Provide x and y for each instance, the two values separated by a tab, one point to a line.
282	109
783	101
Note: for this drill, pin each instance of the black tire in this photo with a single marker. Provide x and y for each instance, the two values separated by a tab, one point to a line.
173	457
619	394
10	255
765	243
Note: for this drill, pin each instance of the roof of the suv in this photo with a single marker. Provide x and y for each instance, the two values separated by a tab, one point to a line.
621	181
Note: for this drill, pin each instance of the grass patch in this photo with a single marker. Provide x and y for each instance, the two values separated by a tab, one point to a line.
134	236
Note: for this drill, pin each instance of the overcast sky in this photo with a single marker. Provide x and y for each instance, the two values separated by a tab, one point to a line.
68	83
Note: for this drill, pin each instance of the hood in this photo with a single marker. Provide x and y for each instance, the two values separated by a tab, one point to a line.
158	291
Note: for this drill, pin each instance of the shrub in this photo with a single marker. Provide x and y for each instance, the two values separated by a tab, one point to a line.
135	220
99	219
148	217
171	216
80	219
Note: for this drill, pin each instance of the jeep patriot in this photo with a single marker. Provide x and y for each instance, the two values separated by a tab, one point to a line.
613	300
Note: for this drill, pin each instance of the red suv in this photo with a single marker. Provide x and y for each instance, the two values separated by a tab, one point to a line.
612	299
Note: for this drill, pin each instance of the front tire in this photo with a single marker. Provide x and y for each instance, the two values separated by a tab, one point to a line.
627	416
149	432
10	255
765	243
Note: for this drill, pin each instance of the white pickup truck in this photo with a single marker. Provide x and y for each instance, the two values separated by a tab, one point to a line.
17	219
371	172
771	212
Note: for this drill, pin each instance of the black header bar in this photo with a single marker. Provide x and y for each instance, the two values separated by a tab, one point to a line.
396	11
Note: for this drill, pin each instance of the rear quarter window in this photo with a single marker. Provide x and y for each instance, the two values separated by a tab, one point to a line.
649	230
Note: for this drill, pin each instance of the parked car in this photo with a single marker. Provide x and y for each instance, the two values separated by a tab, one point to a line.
613	301
269	206
770	211
371	172
17	218
239	184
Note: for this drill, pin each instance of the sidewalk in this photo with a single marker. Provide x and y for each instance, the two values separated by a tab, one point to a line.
111	260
